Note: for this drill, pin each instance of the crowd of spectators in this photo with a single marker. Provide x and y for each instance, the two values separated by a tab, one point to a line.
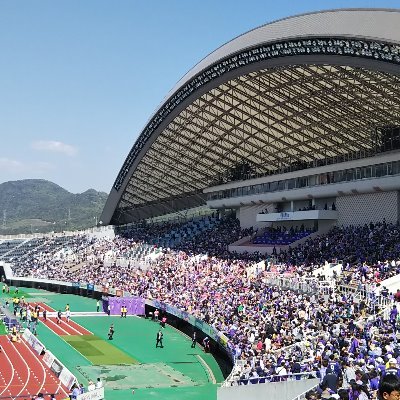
275	332
51	259
369	244
281	235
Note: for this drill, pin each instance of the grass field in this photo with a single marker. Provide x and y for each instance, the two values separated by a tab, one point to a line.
2	329
131	360
98	351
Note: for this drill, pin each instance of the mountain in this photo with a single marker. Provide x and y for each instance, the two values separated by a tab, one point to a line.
37	205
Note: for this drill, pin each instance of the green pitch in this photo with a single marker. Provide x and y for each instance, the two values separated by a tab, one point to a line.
2	329
98	351
130	361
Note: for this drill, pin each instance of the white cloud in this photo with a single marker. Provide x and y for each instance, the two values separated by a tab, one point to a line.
10	165
55	146
14	166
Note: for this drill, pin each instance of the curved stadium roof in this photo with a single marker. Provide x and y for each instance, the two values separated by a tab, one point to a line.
285	95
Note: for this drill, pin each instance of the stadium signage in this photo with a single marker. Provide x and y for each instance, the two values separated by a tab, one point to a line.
284	216
65	376
97	394
33	341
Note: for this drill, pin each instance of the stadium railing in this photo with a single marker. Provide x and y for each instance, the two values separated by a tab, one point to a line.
366	293
306	285
235	373
303	395
271	379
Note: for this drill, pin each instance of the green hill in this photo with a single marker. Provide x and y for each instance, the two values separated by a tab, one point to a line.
37	205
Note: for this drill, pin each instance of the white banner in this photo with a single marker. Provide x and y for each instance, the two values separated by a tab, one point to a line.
97	394
48	358
38	347
27	334
98	288
67	378
33	341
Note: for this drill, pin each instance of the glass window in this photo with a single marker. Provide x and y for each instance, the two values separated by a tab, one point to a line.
338	176
291	183
395	167
322	179
350	175
380	170
389	168
302	182
363	173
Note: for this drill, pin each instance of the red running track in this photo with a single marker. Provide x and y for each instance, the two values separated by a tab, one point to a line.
64	328
23	372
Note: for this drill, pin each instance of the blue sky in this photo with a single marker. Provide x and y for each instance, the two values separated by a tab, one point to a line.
79	79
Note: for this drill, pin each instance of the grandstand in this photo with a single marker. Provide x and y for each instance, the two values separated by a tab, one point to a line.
289	136
295	122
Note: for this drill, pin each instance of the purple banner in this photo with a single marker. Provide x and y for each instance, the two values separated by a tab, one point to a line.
134	305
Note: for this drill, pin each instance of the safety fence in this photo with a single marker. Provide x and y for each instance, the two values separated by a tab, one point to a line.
305	285
367	293
52	362
304	394
273	378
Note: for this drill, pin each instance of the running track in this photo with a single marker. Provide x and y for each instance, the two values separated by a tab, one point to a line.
65	328
23	372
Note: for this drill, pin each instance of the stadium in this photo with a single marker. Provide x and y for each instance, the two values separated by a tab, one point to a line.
254	225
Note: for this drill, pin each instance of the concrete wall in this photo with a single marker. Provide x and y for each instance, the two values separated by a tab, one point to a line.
360	209
267	391
392	283
247	215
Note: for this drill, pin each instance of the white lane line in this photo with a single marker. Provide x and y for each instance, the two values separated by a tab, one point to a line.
58	325
12	369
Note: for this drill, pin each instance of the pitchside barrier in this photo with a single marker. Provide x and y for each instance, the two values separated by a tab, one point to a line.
281	390
55	365
97	394
274	378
